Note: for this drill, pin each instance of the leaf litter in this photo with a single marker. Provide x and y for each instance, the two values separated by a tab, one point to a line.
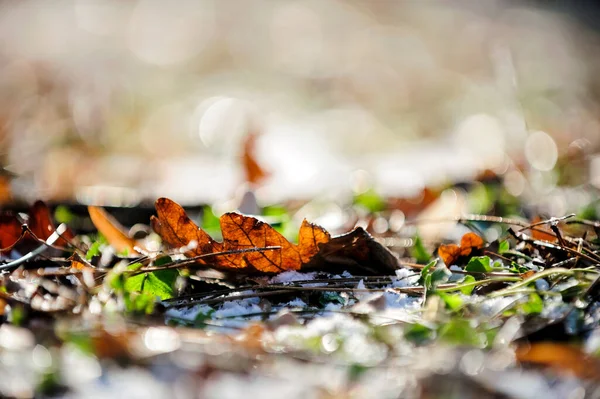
342	313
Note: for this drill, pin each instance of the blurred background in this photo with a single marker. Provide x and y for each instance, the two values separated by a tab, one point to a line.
117	103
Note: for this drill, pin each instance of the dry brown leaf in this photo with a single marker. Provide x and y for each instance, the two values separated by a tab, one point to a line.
315	248
561	357
452	252
542	232
239	233
112	230
175	228
10	231
255	174
40	223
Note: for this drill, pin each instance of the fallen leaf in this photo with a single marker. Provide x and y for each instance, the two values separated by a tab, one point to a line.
112	230
177	229
451	253
254	172
560	357
542	232
10	231
355	251
315	246
239	233
40	223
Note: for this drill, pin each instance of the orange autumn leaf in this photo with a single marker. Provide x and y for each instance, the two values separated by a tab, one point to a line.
254	172
239	233
112	230
560	357
542	232
451	252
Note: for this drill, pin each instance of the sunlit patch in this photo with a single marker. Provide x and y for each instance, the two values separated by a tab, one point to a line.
514	182
108	196
161	339
483	136
41	357
541	151
222	119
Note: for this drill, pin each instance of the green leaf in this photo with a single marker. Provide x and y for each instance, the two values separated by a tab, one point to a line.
62	214
460	332
140	302
480	264
331	297
201	318
159	283
370	200
453	301
439	276
467	280
419	252
280	220
480	199
418	333
534	305
426	271
503	246
210	222
162	261
96	248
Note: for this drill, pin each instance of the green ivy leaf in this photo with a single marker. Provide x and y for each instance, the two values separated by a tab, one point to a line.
140	302
159	283
480	264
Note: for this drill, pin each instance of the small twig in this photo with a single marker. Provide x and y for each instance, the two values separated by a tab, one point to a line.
471	218
550	221
47	244
178	264
523	237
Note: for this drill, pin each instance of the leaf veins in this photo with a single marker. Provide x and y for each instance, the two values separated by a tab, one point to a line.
239	233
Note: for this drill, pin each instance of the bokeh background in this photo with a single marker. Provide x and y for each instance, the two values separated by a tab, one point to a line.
116	103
